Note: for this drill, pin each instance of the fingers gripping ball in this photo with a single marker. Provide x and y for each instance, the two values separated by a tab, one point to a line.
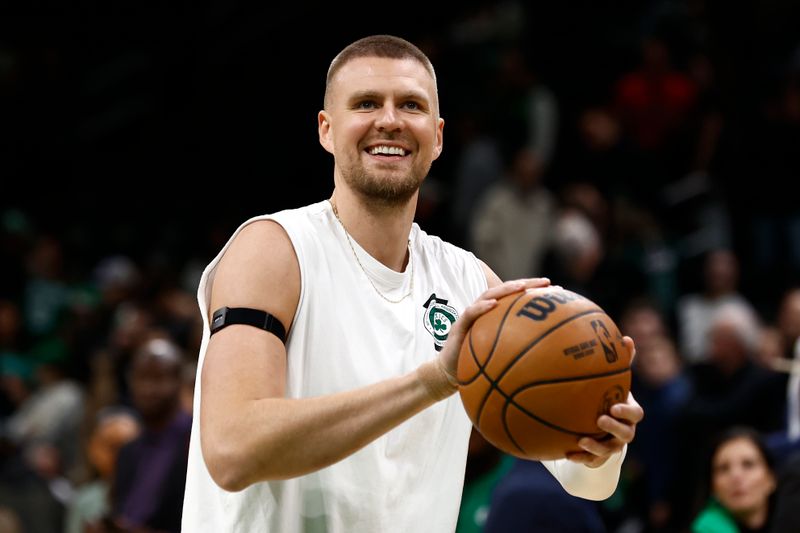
537	371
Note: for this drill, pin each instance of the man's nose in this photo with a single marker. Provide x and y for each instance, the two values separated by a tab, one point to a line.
388	119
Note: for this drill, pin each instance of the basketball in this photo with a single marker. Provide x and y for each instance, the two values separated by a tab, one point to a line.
537	370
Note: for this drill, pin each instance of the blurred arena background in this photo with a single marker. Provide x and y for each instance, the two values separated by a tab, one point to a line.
652	145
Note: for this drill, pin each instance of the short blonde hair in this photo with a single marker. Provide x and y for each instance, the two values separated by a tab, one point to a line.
387	46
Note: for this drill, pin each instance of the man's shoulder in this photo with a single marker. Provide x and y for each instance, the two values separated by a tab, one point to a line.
449	259
288	213
436	244
285	218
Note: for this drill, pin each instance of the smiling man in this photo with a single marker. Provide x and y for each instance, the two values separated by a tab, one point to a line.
325	389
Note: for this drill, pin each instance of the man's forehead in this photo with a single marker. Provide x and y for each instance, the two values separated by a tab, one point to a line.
375	69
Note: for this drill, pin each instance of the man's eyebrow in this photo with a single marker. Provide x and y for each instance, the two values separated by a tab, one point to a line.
374	95
365	95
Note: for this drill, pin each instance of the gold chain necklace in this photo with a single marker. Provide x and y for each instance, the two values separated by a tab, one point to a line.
369	278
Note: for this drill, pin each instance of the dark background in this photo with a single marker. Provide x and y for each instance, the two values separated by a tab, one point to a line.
135	126
136	136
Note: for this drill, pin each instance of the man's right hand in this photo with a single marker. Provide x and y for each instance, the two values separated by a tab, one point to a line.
448	358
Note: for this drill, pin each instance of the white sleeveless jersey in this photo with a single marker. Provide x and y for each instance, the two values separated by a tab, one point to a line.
345	335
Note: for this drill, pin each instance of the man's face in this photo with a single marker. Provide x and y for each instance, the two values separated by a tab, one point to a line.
155	385
382	127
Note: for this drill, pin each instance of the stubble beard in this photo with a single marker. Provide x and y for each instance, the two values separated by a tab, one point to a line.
384	191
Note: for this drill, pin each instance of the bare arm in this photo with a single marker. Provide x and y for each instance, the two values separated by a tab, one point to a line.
249	430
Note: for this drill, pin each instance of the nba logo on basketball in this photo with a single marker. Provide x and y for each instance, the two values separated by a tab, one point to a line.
604	336
518	388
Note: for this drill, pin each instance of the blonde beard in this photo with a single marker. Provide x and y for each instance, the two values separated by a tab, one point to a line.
385	192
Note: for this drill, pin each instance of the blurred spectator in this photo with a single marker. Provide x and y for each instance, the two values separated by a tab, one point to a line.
46	295
577	261
91	503
9	521
16	384
770	348
151	470
176	312
118	278
787	511
580	257
102	390
742	483
662	389
644	255
511	224
653	100
695	311
695	208
780	350
479	165
131	324
605	156
26	500
707	115
528	499
788	321
577	251
642	320
527	113
117	281
51	417
728	389
591	201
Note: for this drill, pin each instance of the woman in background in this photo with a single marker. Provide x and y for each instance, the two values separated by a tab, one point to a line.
743	483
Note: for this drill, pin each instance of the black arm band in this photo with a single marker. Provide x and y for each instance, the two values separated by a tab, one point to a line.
225	316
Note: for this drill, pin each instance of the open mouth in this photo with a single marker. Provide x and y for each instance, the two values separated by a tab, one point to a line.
387	150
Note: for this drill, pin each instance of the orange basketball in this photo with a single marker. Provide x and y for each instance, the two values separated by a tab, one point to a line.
538	370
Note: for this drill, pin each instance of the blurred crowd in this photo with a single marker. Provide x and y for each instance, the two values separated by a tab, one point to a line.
645	164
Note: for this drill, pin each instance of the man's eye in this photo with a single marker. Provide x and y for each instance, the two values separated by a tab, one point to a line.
367	104
411	105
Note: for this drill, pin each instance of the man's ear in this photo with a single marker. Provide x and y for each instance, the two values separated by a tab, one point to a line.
439	142
324	130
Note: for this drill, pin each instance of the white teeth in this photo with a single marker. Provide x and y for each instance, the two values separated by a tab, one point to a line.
387	150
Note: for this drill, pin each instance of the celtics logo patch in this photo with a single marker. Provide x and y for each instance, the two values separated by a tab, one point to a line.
438	319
